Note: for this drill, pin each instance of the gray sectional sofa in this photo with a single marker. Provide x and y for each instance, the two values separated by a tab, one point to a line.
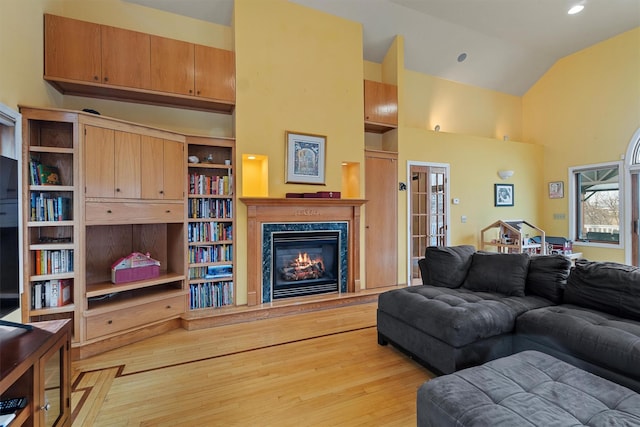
474	307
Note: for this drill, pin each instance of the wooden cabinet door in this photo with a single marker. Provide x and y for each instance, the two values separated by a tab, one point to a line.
72	49
127	165
173	173
99	161
381	220
215	73
172	66
380	103
151	167
126	58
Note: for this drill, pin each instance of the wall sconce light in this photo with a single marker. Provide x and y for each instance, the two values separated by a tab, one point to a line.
437	128
505	174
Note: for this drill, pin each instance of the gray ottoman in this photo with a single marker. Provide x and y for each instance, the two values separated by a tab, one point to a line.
526	389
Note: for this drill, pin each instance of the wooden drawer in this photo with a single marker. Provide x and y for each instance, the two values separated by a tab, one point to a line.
130	213
132	317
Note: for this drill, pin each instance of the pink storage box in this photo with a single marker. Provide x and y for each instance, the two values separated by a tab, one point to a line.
135	266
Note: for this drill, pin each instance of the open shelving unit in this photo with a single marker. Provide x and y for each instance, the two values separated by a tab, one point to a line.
51	238
211	222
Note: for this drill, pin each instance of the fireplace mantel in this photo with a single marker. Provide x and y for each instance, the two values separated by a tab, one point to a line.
267	210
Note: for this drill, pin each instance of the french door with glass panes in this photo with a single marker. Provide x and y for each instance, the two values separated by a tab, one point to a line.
429	216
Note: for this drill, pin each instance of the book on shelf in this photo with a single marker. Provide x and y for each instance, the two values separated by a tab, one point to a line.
219	272
51	293
49	207
43	174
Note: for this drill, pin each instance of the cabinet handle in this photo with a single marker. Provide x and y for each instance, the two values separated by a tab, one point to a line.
168	306
198	93
46	407
106	79
190	91
117	190
109	211
161	192
167	211
95	78
109	322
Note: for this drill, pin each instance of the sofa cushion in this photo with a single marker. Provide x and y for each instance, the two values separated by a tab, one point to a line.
599	338
606	286
502	273
446	265
456	316
525	389
547	276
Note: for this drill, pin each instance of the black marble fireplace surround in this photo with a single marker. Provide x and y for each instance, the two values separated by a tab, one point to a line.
301	259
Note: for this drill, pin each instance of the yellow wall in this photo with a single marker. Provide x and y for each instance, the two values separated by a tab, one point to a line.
584	110
297	70
474	163
460	108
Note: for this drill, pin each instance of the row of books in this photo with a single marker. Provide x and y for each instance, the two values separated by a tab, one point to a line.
51	293
209	294
217	253
210	208
53	261
211	272
40	174
49	207
209	232
211	185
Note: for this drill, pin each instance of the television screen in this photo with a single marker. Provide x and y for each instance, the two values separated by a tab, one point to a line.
9	249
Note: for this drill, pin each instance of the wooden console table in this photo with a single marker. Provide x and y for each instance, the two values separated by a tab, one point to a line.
35	364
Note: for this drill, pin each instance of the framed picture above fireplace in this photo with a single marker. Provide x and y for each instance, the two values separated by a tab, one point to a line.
306	154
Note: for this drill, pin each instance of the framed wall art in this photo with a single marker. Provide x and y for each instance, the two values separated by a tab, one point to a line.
556	190
306	155
503	194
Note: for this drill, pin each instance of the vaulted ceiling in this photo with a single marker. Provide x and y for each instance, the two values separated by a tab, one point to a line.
508	44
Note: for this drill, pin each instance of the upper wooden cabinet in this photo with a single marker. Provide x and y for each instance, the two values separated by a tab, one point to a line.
210	61
72	49
88	59
125	58
187	69
172	66
380	106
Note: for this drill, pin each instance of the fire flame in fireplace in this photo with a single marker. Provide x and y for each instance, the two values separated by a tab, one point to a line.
303	267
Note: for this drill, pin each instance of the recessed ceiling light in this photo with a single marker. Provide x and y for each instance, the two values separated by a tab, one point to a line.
462	57
575	9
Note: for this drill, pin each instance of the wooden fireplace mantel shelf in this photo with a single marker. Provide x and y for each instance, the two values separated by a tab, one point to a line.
268	209
271	201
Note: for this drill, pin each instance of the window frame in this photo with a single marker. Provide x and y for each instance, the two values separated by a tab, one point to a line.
573	221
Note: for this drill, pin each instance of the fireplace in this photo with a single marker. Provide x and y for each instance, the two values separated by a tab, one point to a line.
321	219
305	263
304	258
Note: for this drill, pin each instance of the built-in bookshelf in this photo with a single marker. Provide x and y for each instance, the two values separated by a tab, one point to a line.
211	222
50	212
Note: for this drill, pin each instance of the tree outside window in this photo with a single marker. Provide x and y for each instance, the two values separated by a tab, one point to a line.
597	205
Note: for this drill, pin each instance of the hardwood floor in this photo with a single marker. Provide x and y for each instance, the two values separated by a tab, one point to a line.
323	368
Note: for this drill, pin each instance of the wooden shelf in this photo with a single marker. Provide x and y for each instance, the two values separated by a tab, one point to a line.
67	308
47	149
121	93
211	196
203	165
106	288
41	277
210	219
65	188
